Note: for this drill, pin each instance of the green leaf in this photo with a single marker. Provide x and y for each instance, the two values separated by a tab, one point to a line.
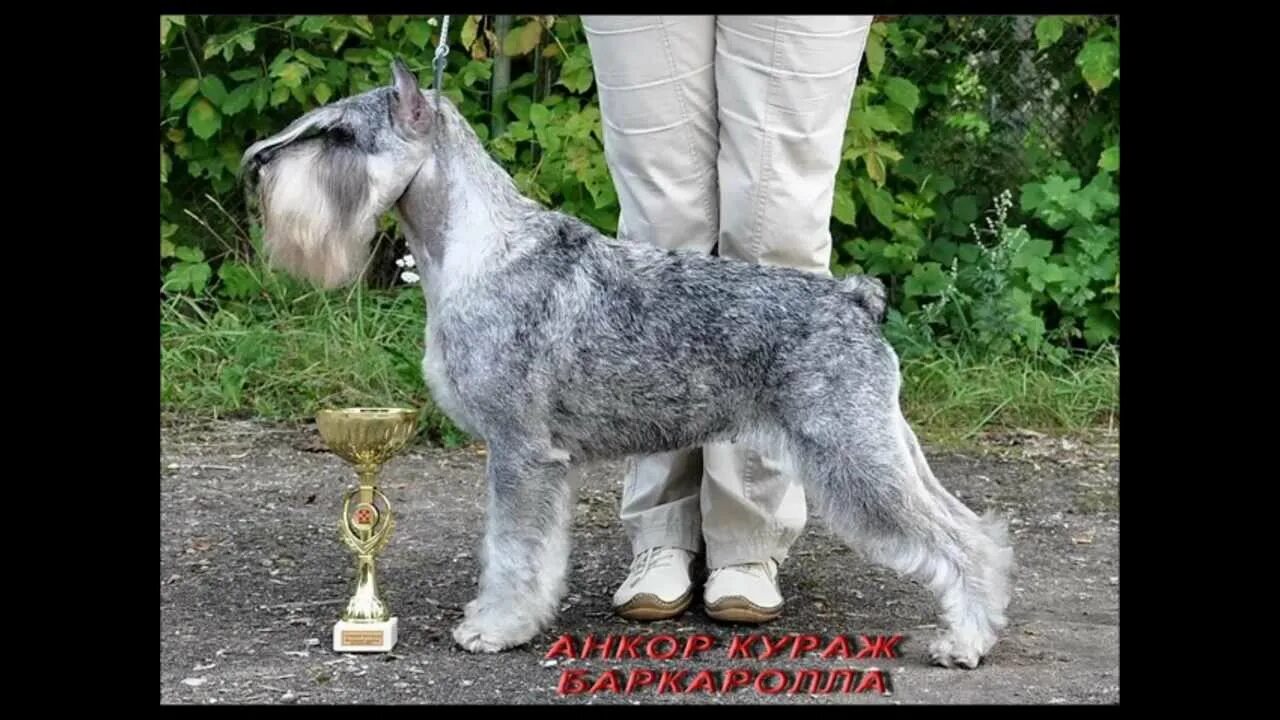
203	119
899	116
309	59
316	23
1030	251
239	99
336	72
888	152
925	279
520	131
943	250
843	208
1099	63
1048	30
903	92
283	57
538	115
942	184
1032	197
397	22
291	74
260	94
238	282
1059	189
1035	274
212	88
1110	160
1100	191
189	254
418	32
245	74
519	106
964	208
576	74
877	118
878	201
470	27
186	90
875	167
212	46
362	22
191	276
1052	273
524	80
323	92
338	38
1100	326
279	95
875	52
522	39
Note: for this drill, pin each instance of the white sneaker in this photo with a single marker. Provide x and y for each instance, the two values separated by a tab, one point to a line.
659	586
744	593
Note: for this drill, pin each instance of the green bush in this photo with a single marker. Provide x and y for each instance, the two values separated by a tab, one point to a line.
941	133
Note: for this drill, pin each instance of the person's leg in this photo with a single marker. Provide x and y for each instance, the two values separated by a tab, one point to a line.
656	86
784	86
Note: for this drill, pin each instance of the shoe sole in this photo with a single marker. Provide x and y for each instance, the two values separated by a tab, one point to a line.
741	610
646	606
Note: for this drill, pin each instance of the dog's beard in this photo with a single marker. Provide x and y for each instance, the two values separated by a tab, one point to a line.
320	213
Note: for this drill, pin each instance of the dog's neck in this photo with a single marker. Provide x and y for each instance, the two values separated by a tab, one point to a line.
462	212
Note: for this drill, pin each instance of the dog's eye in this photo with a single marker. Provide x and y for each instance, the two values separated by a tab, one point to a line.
341	135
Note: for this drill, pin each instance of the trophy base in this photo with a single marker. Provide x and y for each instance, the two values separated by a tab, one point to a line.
365	636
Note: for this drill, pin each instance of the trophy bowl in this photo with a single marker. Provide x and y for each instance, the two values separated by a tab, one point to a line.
366	438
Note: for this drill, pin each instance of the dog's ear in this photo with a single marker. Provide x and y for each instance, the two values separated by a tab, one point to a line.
409	105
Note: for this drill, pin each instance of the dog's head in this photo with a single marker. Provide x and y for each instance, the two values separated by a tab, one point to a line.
324	181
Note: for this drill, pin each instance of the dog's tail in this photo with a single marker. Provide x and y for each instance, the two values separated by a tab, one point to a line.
870	293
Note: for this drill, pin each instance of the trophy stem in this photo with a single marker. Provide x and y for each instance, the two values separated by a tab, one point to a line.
368	481
366	605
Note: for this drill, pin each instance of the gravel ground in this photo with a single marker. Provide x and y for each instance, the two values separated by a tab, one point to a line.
252	577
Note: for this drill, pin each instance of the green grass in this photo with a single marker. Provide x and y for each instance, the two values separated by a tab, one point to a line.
292	351
953	396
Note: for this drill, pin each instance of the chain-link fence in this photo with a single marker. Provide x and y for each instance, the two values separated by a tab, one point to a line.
1009	88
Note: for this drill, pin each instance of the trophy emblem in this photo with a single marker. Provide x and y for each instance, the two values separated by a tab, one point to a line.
366	438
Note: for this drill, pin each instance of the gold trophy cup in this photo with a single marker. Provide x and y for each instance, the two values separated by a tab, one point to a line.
366	438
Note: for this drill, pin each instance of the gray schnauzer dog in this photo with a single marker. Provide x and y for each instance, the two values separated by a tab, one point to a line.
556	344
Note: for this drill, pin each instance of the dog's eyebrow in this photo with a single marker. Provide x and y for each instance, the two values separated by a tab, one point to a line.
307	126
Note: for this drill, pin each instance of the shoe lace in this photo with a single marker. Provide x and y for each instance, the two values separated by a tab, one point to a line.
651	559
748	568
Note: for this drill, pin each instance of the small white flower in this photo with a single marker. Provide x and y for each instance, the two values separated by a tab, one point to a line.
406	262
409	277
432	22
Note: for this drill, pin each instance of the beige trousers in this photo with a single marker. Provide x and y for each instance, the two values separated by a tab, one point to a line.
724	132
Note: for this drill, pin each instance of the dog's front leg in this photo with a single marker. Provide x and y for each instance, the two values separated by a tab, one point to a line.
525	553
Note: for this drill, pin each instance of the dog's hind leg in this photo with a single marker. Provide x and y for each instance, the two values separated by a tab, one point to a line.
875	492
525	554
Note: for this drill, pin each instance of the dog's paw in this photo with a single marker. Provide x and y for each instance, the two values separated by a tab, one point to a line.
474	635
952	653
